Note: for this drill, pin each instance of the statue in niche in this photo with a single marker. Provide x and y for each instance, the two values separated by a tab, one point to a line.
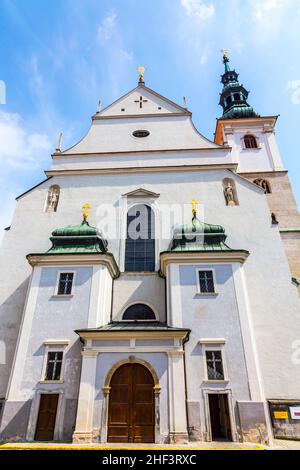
52	199
229	194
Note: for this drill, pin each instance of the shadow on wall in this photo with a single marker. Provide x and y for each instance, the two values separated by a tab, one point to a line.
15	421
11	311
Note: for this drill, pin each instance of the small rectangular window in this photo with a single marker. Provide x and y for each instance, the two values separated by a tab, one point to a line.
206	282
54	363
214	365
65	283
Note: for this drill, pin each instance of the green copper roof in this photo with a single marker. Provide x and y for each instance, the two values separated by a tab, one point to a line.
77	239
135	326
243	111
199	236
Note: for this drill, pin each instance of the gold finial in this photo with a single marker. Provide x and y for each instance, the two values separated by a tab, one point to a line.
225	54
141	71
194	203
85	208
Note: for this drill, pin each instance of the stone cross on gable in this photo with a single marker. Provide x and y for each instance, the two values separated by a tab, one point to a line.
141	101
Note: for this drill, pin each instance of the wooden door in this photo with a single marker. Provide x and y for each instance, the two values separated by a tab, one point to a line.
227	423
46	417
131	405
215	418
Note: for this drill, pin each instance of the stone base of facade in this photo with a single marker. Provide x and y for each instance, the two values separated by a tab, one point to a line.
178	438
253	422
83	438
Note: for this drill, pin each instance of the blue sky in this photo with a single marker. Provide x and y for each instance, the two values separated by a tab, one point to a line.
59	56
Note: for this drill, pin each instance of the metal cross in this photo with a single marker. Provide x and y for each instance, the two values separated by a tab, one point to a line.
86	208
141	101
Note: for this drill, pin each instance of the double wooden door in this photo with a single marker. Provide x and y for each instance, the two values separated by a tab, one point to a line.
46	417
131	405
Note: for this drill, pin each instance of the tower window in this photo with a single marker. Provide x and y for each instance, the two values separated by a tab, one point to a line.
228	100
264	184
250	142
140	241
65	284
139	312
206	282
237	96
214	365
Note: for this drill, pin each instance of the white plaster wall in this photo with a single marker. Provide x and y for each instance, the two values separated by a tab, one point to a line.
56	319
265	158
166	132
212	317
147	159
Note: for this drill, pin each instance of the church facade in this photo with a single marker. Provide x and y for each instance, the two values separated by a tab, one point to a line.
150	320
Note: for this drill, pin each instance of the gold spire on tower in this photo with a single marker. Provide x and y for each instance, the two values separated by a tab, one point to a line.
85	208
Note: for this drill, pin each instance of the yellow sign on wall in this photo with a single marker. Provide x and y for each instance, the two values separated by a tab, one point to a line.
281	415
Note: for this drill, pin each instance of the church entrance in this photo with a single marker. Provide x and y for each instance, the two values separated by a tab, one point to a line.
219	417
131	405
46	417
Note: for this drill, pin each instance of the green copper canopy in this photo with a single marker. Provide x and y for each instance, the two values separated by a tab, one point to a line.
199	236
234	96
77	239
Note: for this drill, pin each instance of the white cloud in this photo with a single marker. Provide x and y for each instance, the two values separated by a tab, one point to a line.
107	27
20	148
295	96
261	8
198	10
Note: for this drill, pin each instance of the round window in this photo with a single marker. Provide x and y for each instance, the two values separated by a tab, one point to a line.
141	133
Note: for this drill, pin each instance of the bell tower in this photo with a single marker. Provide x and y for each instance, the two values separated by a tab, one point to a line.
255	150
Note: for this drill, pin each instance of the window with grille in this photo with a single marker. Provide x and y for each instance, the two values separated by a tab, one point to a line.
139	312
250	142
140	241
54	363
214	365
206	282
65	283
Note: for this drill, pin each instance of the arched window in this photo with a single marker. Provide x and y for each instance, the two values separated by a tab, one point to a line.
228	100
140	241
139	312
52	198
250	142
264	184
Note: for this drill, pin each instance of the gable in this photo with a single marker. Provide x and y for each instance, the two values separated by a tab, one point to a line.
141	193
141	101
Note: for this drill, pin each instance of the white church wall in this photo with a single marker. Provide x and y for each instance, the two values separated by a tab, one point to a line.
47	318
146	159
264	158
